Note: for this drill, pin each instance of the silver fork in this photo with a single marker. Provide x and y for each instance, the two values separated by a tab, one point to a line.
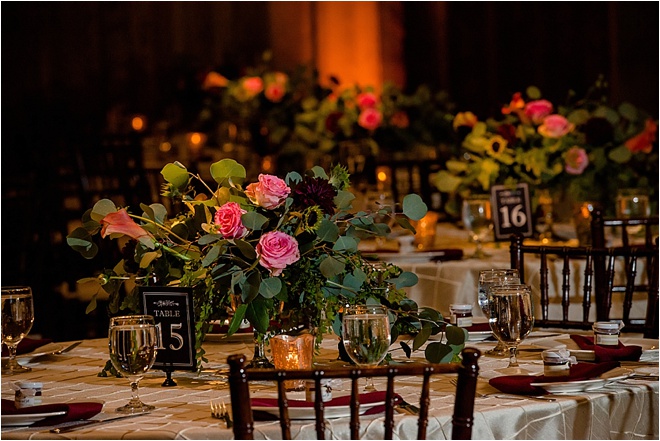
220	412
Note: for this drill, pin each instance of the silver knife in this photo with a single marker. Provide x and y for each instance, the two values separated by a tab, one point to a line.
71	427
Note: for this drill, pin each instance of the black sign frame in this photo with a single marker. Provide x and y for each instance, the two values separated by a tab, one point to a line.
512	211
173	312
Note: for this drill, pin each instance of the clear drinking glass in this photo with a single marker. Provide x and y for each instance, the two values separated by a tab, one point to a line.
478	220
17	320
493	277
511	316
366	336
133	342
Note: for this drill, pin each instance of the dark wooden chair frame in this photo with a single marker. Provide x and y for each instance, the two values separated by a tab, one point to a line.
463	416
598	284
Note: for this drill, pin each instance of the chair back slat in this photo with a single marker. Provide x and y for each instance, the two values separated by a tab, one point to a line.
601	265
462	421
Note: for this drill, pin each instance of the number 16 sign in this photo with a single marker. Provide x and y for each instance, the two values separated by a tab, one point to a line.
172	309
512	212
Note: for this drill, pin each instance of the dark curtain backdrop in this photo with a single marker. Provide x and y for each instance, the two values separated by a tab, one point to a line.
65	64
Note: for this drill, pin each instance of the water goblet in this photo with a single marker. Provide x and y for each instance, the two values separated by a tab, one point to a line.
478	220
17	320
511	316
493	277
133	342
366	336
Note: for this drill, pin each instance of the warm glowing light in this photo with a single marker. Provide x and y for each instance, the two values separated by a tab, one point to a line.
267	164
196	140
165	146
138	123
382	176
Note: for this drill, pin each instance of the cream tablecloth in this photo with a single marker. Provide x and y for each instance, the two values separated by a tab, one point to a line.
623	410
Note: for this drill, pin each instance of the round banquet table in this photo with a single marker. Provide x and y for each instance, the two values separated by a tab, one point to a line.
627	409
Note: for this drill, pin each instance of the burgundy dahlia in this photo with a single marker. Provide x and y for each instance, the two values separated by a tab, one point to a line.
315	191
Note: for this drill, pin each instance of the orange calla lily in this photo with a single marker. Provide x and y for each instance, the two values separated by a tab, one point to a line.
121	223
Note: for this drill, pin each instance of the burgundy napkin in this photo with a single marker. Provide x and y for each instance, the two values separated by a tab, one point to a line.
27	345
478	327
223	329
74	411
622	353
521	384
367	398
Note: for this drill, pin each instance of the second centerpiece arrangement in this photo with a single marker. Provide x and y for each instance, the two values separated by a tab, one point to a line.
279	253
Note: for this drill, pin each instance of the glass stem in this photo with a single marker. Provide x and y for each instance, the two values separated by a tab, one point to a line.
135	397
513	359
12	355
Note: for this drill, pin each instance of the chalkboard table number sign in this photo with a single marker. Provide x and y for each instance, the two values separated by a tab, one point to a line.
512	212
172	309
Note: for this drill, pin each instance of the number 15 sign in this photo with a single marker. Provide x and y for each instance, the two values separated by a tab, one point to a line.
172	309
512	212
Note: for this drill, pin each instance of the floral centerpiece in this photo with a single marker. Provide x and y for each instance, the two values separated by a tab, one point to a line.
279	253
586	148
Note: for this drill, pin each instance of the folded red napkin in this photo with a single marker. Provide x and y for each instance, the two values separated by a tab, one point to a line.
521	384
622	353
367	398
27	345
478	327
74	411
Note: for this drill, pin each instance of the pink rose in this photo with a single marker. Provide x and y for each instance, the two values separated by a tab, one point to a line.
274	92
366	100
253	85
538	110
555	126
228	218
120	222
576	161
276	250
370	119
644	141
270	192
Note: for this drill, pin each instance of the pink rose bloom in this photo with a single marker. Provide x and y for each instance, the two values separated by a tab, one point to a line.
276	250
644	141
576	161
274	92
370	119
366	100
228	218
121	223
538	110
270	192
555	126
253	85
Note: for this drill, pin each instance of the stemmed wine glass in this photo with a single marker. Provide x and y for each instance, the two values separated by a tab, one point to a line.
487	279
133	342
366	335
17	320
511	316
478	220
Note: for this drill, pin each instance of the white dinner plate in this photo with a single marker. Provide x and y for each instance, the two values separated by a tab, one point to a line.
413	257
649	347
47	349
27	419
479	335
585	385
307	413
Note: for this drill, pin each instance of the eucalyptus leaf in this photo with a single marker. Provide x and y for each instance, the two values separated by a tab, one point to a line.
456	335
211	256
436	352
331	267
270	287
257	314
328	231
253	220
293	178
620	154
149	257
176	174
345	244
405	280
414	207
246	249
250	287
209	238
344	199
102	208
227	171
422	336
